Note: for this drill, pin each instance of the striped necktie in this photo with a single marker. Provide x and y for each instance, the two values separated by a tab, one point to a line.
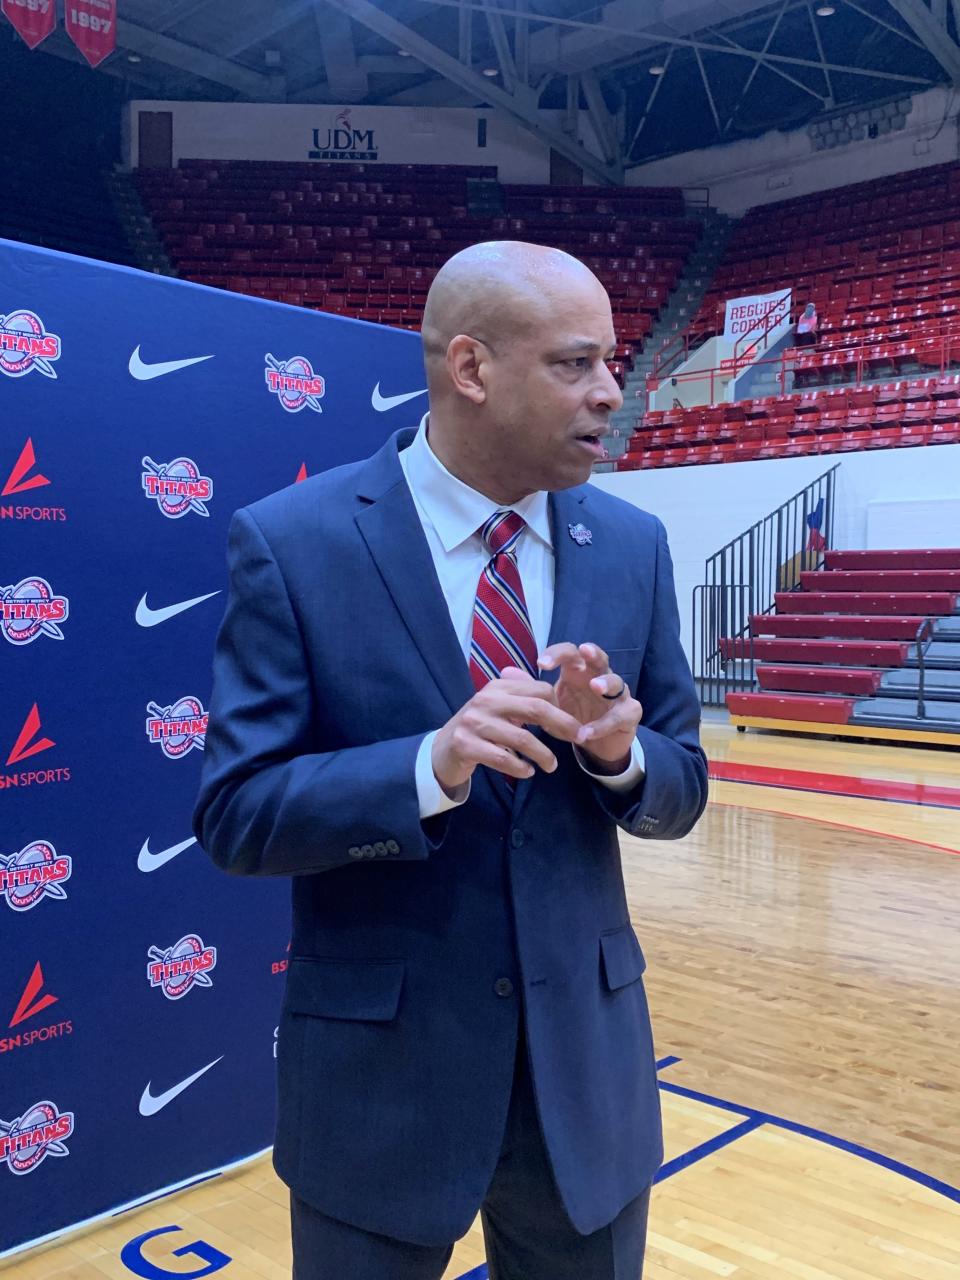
502	636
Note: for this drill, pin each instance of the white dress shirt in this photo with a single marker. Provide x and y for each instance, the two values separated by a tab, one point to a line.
451	513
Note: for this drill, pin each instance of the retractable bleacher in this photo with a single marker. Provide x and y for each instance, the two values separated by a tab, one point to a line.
868	646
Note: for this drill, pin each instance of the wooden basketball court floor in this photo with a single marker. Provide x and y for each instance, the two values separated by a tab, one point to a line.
803	948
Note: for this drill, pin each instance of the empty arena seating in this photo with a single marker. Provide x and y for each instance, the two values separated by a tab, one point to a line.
75	213
843	649
366	241
880	260
882	416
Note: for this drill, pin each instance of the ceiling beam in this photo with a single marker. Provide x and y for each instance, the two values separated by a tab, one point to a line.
709	91
347	81
882	22
501	44
264	22
189	57
816	35
142	82
604	125
389	64
652	39
938	42
465	35
650	101
520	106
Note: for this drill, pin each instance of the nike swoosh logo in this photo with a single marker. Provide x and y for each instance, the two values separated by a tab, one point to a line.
148	617
150	1105
143	372
383	403
148	861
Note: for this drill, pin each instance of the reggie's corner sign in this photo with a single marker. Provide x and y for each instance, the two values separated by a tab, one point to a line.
746	315
343	141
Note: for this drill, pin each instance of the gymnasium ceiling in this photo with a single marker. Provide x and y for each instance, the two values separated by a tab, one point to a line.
729	68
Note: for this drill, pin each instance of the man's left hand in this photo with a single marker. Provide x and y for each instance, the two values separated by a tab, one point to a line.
609	726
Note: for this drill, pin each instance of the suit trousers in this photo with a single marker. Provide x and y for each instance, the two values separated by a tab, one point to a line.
526	1231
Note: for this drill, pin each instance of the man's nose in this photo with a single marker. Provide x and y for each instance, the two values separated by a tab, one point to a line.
607	394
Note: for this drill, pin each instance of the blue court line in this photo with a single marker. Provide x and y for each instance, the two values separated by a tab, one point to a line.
707	1148
829	1139
753	1120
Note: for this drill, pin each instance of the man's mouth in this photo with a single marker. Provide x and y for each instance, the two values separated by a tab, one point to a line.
594	438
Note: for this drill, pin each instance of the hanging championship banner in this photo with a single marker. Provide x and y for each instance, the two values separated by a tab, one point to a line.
92	26
33	20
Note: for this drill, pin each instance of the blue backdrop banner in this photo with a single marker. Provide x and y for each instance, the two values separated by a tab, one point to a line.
140	987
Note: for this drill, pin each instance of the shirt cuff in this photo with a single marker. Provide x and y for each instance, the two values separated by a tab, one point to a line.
430	795
633	773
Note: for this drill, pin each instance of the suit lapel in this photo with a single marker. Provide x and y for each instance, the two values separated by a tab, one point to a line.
575	570
391	528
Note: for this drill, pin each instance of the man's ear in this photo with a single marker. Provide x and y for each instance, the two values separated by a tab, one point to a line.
467	362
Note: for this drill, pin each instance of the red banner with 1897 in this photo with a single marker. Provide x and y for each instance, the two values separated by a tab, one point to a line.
92	26
32	19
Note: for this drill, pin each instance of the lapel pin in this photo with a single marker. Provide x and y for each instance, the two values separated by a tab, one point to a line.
580	534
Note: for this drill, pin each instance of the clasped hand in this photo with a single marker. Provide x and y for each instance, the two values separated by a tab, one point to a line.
491	729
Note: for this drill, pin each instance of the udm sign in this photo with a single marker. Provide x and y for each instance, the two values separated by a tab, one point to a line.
343	142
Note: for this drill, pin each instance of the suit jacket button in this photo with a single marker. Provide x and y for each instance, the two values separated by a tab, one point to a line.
354	851
516	839
392	846
366	851
380	849
503	987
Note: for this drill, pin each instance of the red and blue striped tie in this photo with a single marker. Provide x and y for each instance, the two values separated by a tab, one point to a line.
502	635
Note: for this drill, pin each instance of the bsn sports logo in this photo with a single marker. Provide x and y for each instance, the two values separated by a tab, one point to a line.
31	608
182	966
40	1132
294	383
36	872
20	481
177	486
30	742
26	345
31	1004
178	728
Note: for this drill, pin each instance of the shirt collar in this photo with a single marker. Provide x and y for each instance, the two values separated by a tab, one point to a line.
455	510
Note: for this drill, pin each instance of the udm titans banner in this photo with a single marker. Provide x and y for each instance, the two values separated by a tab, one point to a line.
139	986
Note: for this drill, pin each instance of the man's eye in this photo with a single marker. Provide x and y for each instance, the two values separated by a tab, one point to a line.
580	362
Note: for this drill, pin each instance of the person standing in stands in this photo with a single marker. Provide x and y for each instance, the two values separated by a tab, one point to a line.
807	324
445	677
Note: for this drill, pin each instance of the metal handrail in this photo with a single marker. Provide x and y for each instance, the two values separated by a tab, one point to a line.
926	625
945	345
742	580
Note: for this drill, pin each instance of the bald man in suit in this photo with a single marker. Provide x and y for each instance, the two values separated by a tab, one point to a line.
446	676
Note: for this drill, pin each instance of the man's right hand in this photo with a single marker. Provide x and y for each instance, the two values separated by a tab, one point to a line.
489	729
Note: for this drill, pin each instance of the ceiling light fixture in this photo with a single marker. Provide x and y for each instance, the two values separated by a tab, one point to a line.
490	71
825	11
657	69
404	53
134	57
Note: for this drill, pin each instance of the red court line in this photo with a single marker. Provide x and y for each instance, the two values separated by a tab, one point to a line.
837	784
834	822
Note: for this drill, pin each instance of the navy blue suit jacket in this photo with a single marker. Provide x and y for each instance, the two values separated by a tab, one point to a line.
335	656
